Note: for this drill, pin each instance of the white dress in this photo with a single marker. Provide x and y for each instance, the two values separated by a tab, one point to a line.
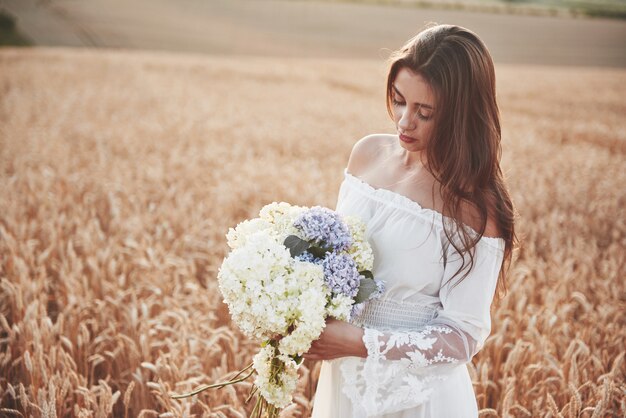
421	333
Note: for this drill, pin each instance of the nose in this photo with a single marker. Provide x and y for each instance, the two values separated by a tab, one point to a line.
407	121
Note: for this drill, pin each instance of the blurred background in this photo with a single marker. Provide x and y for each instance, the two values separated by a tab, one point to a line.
517	31
134	133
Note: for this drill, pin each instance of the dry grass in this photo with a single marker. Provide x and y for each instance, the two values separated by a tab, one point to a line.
120	173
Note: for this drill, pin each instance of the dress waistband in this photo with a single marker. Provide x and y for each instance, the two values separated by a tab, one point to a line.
390	314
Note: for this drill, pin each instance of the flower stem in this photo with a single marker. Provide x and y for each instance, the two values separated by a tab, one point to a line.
253	390
232	381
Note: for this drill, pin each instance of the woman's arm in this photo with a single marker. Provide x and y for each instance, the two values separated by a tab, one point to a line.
339	339
435	343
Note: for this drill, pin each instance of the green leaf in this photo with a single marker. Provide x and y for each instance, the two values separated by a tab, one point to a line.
296	245
318	252
366	288
367	274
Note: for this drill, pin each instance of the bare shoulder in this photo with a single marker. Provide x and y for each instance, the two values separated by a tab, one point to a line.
470	216
366	151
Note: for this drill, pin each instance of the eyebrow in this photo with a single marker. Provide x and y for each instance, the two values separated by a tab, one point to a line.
419	104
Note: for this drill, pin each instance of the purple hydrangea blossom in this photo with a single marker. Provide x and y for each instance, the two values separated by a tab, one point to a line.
325	227
356	310
309	258
341	274
380	289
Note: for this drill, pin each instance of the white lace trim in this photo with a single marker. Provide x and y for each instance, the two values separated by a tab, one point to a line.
378	386
401	365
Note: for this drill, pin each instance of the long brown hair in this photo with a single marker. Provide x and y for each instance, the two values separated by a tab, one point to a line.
464	151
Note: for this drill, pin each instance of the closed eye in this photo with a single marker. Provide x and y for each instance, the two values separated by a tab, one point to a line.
419	115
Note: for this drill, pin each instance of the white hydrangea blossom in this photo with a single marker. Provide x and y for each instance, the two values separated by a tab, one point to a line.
360	250
236	237
281	215
256	282
276	390
310	313
340	306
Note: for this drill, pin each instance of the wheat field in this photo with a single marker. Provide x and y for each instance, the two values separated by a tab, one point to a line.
121	171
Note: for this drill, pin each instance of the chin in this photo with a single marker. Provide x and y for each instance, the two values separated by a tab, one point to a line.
415	146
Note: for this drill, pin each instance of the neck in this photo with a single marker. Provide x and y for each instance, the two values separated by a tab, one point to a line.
413	160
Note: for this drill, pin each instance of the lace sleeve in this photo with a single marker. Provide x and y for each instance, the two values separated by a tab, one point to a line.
401	365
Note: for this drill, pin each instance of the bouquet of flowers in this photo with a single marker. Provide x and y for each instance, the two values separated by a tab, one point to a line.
287	271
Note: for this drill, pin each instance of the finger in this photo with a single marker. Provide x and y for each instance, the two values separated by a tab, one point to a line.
314	346
312	352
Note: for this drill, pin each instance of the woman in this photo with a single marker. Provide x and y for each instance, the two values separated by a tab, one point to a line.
441	224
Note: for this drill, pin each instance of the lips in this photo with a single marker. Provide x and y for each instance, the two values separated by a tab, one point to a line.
407	138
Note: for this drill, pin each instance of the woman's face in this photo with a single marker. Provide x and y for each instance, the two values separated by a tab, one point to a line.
413	105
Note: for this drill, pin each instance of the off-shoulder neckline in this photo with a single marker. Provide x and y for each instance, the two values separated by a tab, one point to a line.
413	206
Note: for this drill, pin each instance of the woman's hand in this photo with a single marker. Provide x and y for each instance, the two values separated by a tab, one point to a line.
339	339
